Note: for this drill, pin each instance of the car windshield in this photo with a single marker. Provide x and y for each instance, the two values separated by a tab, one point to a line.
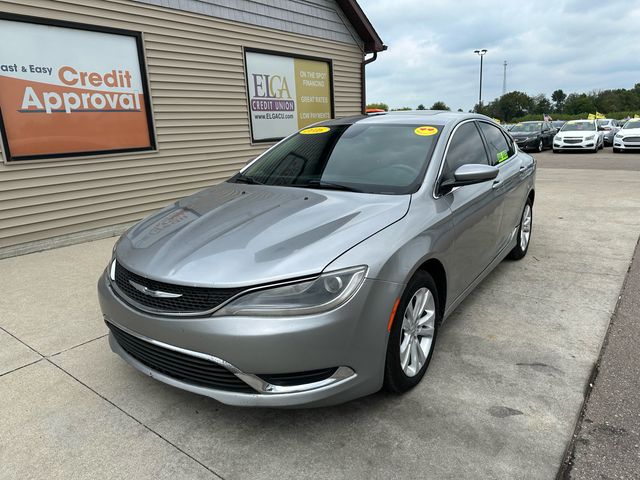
579	126
371	158
558	124
632	124
528	127
603	122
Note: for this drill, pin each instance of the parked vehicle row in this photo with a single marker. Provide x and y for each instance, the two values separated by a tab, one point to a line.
590	135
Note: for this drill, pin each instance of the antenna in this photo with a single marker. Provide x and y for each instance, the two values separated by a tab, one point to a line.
504	79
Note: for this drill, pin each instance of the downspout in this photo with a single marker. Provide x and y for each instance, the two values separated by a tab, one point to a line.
363	86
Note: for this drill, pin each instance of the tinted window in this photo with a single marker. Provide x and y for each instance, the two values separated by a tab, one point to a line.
498	146
466	147
373	158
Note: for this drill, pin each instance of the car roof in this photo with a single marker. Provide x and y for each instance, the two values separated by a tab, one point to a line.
409	117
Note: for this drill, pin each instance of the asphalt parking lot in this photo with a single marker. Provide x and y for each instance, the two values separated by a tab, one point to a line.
501	398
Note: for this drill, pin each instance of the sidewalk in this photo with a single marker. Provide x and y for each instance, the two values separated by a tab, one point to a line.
607	444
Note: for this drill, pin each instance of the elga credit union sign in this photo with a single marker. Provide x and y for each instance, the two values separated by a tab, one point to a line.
69	90
286	93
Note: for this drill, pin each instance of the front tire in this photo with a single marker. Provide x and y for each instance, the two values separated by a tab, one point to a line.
413	334
524	232
616	150
555	150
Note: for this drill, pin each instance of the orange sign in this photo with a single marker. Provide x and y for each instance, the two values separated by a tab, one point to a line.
58	97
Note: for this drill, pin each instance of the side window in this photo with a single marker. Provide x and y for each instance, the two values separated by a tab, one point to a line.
499	148
466	147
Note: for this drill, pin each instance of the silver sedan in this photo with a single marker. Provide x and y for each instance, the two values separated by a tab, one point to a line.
322	271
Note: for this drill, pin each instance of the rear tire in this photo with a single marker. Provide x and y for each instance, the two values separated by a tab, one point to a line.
405	367
524	232
540	146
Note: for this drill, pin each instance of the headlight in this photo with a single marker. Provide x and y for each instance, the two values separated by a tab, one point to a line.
328	291
591	137
620	136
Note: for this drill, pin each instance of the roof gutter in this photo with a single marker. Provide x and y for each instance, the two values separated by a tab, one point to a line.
361	24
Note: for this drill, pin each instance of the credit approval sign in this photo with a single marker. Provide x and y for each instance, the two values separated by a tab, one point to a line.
286	93
69	90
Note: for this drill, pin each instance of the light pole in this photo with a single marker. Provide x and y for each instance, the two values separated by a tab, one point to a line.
481	54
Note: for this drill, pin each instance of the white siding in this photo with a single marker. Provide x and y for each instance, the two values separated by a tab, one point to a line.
195	67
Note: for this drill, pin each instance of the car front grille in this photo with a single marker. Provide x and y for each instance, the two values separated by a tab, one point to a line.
572	140
631	139
179	366
192	300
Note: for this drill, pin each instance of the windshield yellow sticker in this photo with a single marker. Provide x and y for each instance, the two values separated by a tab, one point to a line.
425	131
314	130
502	156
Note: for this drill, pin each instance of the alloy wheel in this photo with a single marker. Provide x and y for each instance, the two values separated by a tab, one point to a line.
525	228
418	326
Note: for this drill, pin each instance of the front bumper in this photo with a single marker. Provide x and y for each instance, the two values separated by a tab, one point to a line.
569	145
351	338
625	145
607	138
529	144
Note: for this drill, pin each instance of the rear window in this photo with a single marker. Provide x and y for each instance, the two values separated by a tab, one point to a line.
372	158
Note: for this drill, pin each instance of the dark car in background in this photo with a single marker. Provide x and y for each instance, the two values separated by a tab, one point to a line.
558	124
609	129
533	135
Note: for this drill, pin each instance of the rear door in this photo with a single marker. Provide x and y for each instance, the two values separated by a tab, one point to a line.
508	184
475	208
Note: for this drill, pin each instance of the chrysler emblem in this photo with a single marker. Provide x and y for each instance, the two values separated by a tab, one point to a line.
153	293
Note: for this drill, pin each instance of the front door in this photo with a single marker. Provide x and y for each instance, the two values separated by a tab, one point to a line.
476	209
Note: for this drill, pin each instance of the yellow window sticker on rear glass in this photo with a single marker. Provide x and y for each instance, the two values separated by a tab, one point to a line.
425	131
314	130
502	156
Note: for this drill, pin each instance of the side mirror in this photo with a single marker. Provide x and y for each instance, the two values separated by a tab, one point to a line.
469	174
601	129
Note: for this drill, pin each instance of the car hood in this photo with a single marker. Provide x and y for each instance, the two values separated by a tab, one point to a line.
577	134
629	132
237	235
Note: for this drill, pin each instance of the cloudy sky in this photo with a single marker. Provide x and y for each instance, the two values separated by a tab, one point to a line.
575	45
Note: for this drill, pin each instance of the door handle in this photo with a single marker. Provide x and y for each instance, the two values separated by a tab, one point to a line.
496	184
523	168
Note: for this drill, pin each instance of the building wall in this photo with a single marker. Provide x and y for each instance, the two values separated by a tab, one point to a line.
196	74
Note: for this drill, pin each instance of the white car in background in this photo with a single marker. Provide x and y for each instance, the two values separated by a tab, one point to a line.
578	135
628	137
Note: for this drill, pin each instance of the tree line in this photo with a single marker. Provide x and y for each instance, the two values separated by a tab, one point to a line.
513	106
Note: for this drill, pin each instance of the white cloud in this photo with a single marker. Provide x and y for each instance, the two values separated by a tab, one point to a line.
569	44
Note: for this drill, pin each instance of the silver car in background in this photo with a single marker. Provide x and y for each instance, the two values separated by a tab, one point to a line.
322	271
609	128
